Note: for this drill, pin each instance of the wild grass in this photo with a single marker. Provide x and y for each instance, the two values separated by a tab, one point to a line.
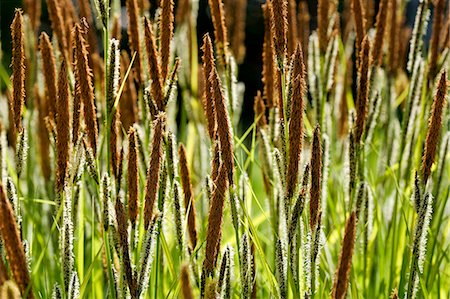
125	171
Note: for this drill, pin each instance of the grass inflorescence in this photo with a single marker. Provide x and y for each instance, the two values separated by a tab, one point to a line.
125	171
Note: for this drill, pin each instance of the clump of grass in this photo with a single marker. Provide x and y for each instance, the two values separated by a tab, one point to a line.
339	128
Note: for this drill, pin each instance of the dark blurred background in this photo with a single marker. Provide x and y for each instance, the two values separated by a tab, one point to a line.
249	70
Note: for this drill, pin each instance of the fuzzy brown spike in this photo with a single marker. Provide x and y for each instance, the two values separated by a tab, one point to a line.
166	34
189	200
13	244
345	259
18	69
438	20
12	133
394	31
182	14
316	179
359	15
208	100
224	130
363	90
269	66
215	161
370	5
303	18
49	70
214	230
236	12
296	123
123	239
292	26
322	26
434	127
85	12
154	66
220	29
260	110
133	177
55	14
128	101
76	118
279	28
377	49
186	287
33	9
116	31
44	141
62	128
70	17
151	187
83	87
134	34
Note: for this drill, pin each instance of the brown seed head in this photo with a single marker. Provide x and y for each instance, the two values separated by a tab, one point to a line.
13	245
438	20
182	11
220	29
363	90
62	128
236	12
208	100
153	64
134	34
296	123
377	49
260	110
189	203
292	26
215	161
224	130
85	12
84	88
133	177
434	126
393	36
33	9
49	70
44	141
123	239
151	187
116	31
322	26
269	67
214	230
55	14
186	287
279	28
316	179
18	68
345	259
359	14
128	101
303	23
166	34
